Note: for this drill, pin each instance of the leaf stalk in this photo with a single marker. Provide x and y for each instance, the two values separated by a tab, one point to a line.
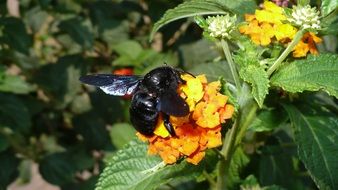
289	48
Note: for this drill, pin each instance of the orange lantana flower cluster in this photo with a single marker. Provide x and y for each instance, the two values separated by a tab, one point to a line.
199	130
307	44
268	25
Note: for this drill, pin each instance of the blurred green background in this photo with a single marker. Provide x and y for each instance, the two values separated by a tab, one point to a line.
46	115
58	128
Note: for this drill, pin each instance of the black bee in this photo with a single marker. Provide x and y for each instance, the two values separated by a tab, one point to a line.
153	94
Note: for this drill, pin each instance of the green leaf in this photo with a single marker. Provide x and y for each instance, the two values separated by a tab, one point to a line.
79	32
129	49
131	168
92	129
3	143
199	52
213	71
240	7
238	161
267	120
259	81
14	34
57	168
13	113
121	134
9	170
317	138
35	18
189	9
330	25
15	84
82	185
275	163
328	6
303	2
251	182
60	81
313	74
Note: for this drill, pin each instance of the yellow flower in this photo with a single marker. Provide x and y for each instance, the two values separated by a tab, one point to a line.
199	130
266	25
285	32
271	13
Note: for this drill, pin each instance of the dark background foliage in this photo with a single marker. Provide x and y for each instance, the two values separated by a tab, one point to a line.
47	117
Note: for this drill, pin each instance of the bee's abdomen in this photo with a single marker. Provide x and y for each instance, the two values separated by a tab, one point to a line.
143	113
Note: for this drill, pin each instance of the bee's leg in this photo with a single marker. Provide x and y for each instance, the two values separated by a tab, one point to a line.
168	125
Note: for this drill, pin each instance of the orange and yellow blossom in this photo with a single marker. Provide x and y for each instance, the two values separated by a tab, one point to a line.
199	130
307	43
266	26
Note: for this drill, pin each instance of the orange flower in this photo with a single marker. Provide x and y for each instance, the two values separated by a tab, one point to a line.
307	43
123	71
199	130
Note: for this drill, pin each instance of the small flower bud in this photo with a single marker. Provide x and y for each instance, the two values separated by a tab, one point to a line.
305	17
221	26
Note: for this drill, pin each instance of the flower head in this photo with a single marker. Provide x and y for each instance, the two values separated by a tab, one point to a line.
124	71
307	44
305	17
266	25
221	26
199	130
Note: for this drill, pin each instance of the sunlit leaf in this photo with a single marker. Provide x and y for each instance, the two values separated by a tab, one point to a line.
258	79
328	6
189	9
312	74
15	84
132	168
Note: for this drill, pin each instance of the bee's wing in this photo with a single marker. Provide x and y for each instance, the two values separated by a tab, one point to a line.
117	85
172	104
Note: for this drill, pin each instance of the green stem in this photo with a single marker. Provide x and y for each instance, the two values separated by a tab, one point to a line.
251	113
226	152
231	63
210	180
232	139
286	52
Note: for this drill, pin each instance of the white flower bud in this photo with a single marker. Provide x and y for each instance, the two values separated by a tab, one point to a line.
305	17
